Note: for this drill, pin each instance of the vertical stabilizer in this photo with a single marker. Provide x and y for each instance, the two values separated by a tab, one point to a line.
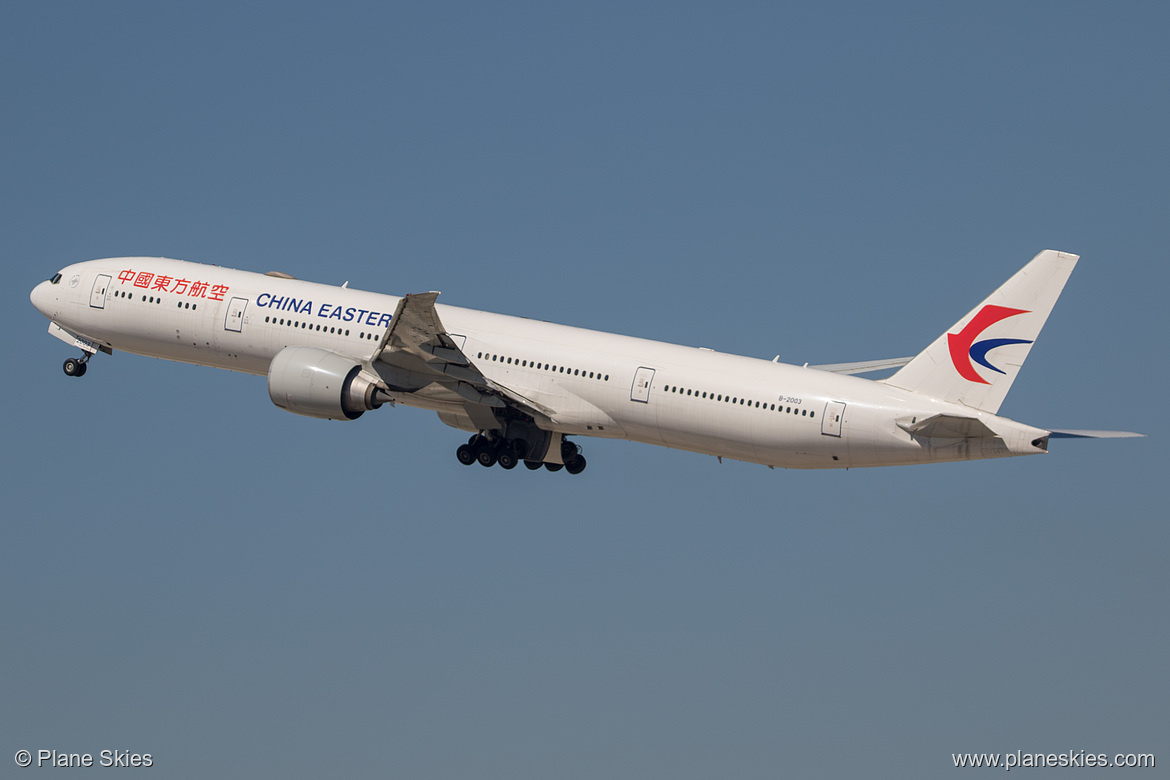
975	362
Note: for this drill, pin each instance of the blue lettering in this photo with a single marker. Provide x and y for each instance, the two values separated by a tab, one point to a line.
361	313
260	299
276	303
370	319
293	304
349	314
336	315
385	320
324	310
306	308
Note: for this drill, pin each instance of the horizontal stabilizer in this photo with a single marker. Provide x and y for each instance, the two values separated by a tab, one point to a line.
947	426
863	367
1095	435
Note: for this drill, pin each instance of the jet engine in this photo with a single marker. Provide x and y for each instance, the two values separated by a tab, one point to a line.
319	383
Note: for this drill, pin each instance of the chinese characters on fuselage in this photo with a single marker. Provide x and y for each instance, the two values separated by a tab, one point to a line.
168	284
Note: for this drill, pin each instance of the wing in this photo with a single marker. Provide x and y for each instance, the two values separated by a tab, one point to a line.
418	355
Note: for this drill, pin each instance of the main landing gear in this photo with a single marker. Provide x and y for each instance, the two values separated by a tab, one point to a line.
509	452
75	366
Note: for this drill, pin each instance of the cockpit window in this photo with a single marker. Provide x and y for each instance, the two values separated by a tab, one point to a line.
56	278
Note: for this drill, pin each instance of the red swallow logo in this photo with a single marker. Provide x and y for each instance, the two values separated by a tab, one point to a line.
964	348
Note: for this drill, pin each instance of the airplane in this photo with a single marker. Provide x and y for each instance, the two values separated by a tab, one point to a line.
522	387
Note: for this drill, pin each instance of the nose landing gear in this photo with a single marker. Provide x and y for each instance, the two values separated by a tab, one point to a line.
75	366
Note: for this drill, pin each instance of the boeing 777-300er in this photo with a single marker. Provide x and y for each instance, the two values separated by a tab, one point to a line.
522	386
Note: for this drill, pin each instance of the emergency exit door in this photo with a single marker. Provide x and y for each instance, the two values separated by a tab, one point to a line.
640	391
834	416
97	296
235	314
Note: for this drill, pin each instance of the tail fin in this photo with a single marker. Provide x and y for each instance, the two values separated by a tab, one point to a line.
976	361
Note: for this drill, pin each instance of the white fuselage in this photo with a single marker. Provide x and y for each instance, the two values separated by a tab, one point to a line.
595	383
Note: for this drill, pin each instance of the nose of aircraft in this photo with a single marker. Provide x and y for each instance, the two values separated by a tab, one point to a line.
40	297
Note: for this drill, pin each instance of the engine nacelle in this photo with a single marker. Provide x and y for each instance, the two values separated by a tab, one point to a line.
319	383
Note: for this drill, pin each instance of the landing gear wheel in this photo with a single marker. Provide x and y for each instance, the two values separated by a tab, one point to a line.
576	465
73	367
486	458
507	458
465	454
532	465
81	369
554	466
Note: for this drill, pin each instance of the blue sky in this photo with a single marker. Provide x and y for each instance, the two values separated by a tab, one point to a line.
191	572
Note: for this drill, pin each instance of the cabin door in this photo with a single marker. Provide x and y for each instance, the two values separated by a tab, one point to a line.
235	315
640	391
97	297
834	415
